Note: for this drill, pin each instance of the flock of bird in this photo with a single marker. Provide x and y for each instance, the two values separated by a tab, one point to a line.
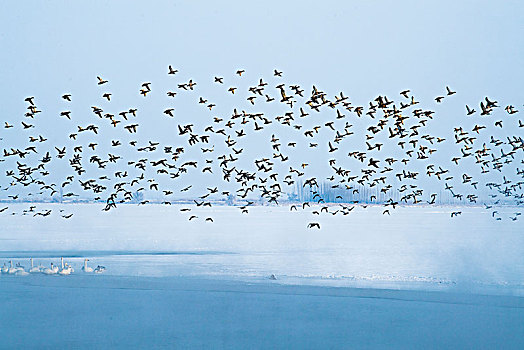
396	149
64	269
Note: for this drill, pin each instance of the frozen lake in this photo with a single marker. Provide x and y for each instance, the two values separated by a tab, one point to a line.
116	312
420	247
415	279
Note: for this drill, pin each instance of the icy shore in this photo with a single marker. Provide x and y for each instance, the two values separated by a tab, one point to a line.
414	246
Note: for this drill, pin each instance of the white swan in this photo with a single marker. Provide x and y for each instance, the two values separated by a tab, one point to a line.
85	268
18	270
11	269
33	268
65	270
100	269
21	272
50	271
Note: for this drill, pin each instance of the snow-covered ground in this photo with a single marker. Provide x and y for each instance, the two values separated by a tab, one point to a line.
413	248
414	279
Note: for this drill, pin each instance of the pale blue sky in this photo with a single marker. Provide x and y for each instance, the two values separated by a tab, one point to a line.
347	44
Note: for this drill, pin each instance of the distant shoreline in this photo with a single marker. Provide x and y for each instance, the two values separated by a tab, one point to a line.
281	204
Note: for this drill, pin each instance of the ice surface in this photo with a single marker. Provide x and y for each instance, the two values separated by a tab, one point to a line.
101	312
416	247
417	279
